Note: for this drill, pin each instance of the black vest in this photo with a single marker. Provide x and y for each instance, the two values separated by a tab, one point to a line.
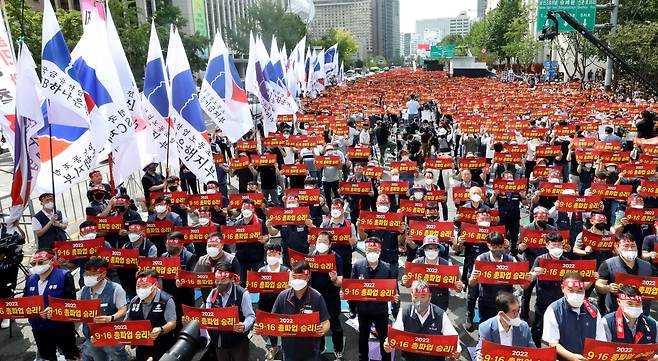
645	326
47	240
432	326
228	338
488	292
616	265
156	316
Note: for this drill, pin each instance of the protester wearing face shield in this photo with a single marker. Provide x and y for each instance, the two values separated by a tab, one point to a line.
113	308
146	249
571	319
47	280
628	324
506	328
250	255
626	262
423	317
156	306
49	226
274	263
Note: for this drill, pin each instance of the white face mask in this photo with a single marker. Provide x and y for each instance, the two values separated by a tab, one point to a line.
428	180
204	221
575	300
395	178
336	213
273	260
382	209
143	293
431	254
556	252
298	284
212	251
40	269
610	169
160	208
418	195
321	247
637	206
88	236
48	206
629	255
633	312
484	223
476	198
372	257
134	237
246	213
91	281
211	191
514	322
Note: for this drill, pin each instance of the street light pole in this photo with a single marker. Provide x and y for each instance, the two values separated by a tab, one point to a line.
609	63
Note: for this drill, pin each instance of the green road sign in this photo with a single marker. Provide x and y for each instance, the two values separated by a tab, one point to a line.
442	51
584	11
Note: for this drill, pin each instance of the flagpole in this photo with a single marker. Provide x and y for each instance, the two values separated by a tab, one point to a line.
52	156
168	119
110	160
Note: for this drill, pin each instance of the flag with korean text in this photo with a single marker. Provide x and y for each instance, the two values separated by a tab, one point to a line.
283	100
256	83
7	86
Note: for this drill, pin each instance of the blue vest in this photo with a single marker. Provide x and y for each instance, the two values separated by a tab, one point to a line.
228	338
55	288
108	308
433	326
644	325
616	265
574	328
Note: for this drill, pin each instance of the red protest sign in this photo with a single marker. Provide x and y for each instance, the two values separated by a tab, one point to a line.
173	197
554	269
167	267
564	130
290	170
246	145
74	310
158	228
267	282
460	194
405	167
21	307
382	221
235	199
586	156
497	352
583	143
613	157
318	263
411	208
648	189
358	188
441	276
516	185
390	187
70	250
576	203
188	279
609	146
306	196
216	318
274	140
263	160
322	161
632	170
611	191
196	234
109	224
502	273
603	351
119	257
507	158
340	235
641	215
240	162
250	233
548	189
284	118
544	171
433	345
286	216
218	158
472	233
132	333
377	290
468	215
305	141
534	133
648	286
473	163
204	200
438	196
373	171
502	137
545	151
298	325
597	241
419	229
358	152
534	238
438	163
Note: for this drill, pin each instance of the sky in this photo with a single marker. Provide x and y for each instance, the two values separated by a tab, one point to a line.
412	10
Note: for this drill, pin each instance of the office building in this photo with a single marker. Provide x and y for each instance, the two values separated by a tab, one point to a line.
433	29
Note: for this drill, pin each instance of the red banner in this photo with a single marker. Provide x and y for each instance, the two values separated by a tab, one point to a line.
275	140
174	197
358	188
196	234
372	171
564	130
389	187
250	233
613	157
306	196
382	221
412	208
263	160
305	141
318	263
219	160
132	333
70	250
473	163
267	282
516	185
299	325
438	196
610	191
74	310
109	224
322	161
634	170
235	199
246	145
507	158
497	352
575	203
583	143
609	146
648	286
119	257
21	307
548	189
545	151
544	171
473	233
167	267
240	162
641	215
216	318
604	351
438	163
340	235
648	188
433	345
598	241
536	133
442	276
287	216
468	215
534	238
189	279
204	200
419	229
358	153
377	290
502	273
554	269
158	228
405	167
290	170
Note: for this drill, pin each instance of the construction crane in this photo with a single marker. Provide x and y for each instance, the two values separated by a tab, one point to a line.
552	31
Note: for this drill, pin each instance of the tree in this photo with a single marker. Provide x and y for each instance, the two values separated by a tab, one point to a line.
266	18
452	39
519	43
347	45
637	44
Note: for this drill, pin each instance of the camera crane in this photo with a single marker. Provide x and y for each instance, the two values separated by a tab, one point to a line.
551	32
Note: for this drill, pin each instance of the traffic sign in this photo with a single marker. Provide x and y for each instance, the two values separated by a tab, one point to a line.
584	11
442	51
